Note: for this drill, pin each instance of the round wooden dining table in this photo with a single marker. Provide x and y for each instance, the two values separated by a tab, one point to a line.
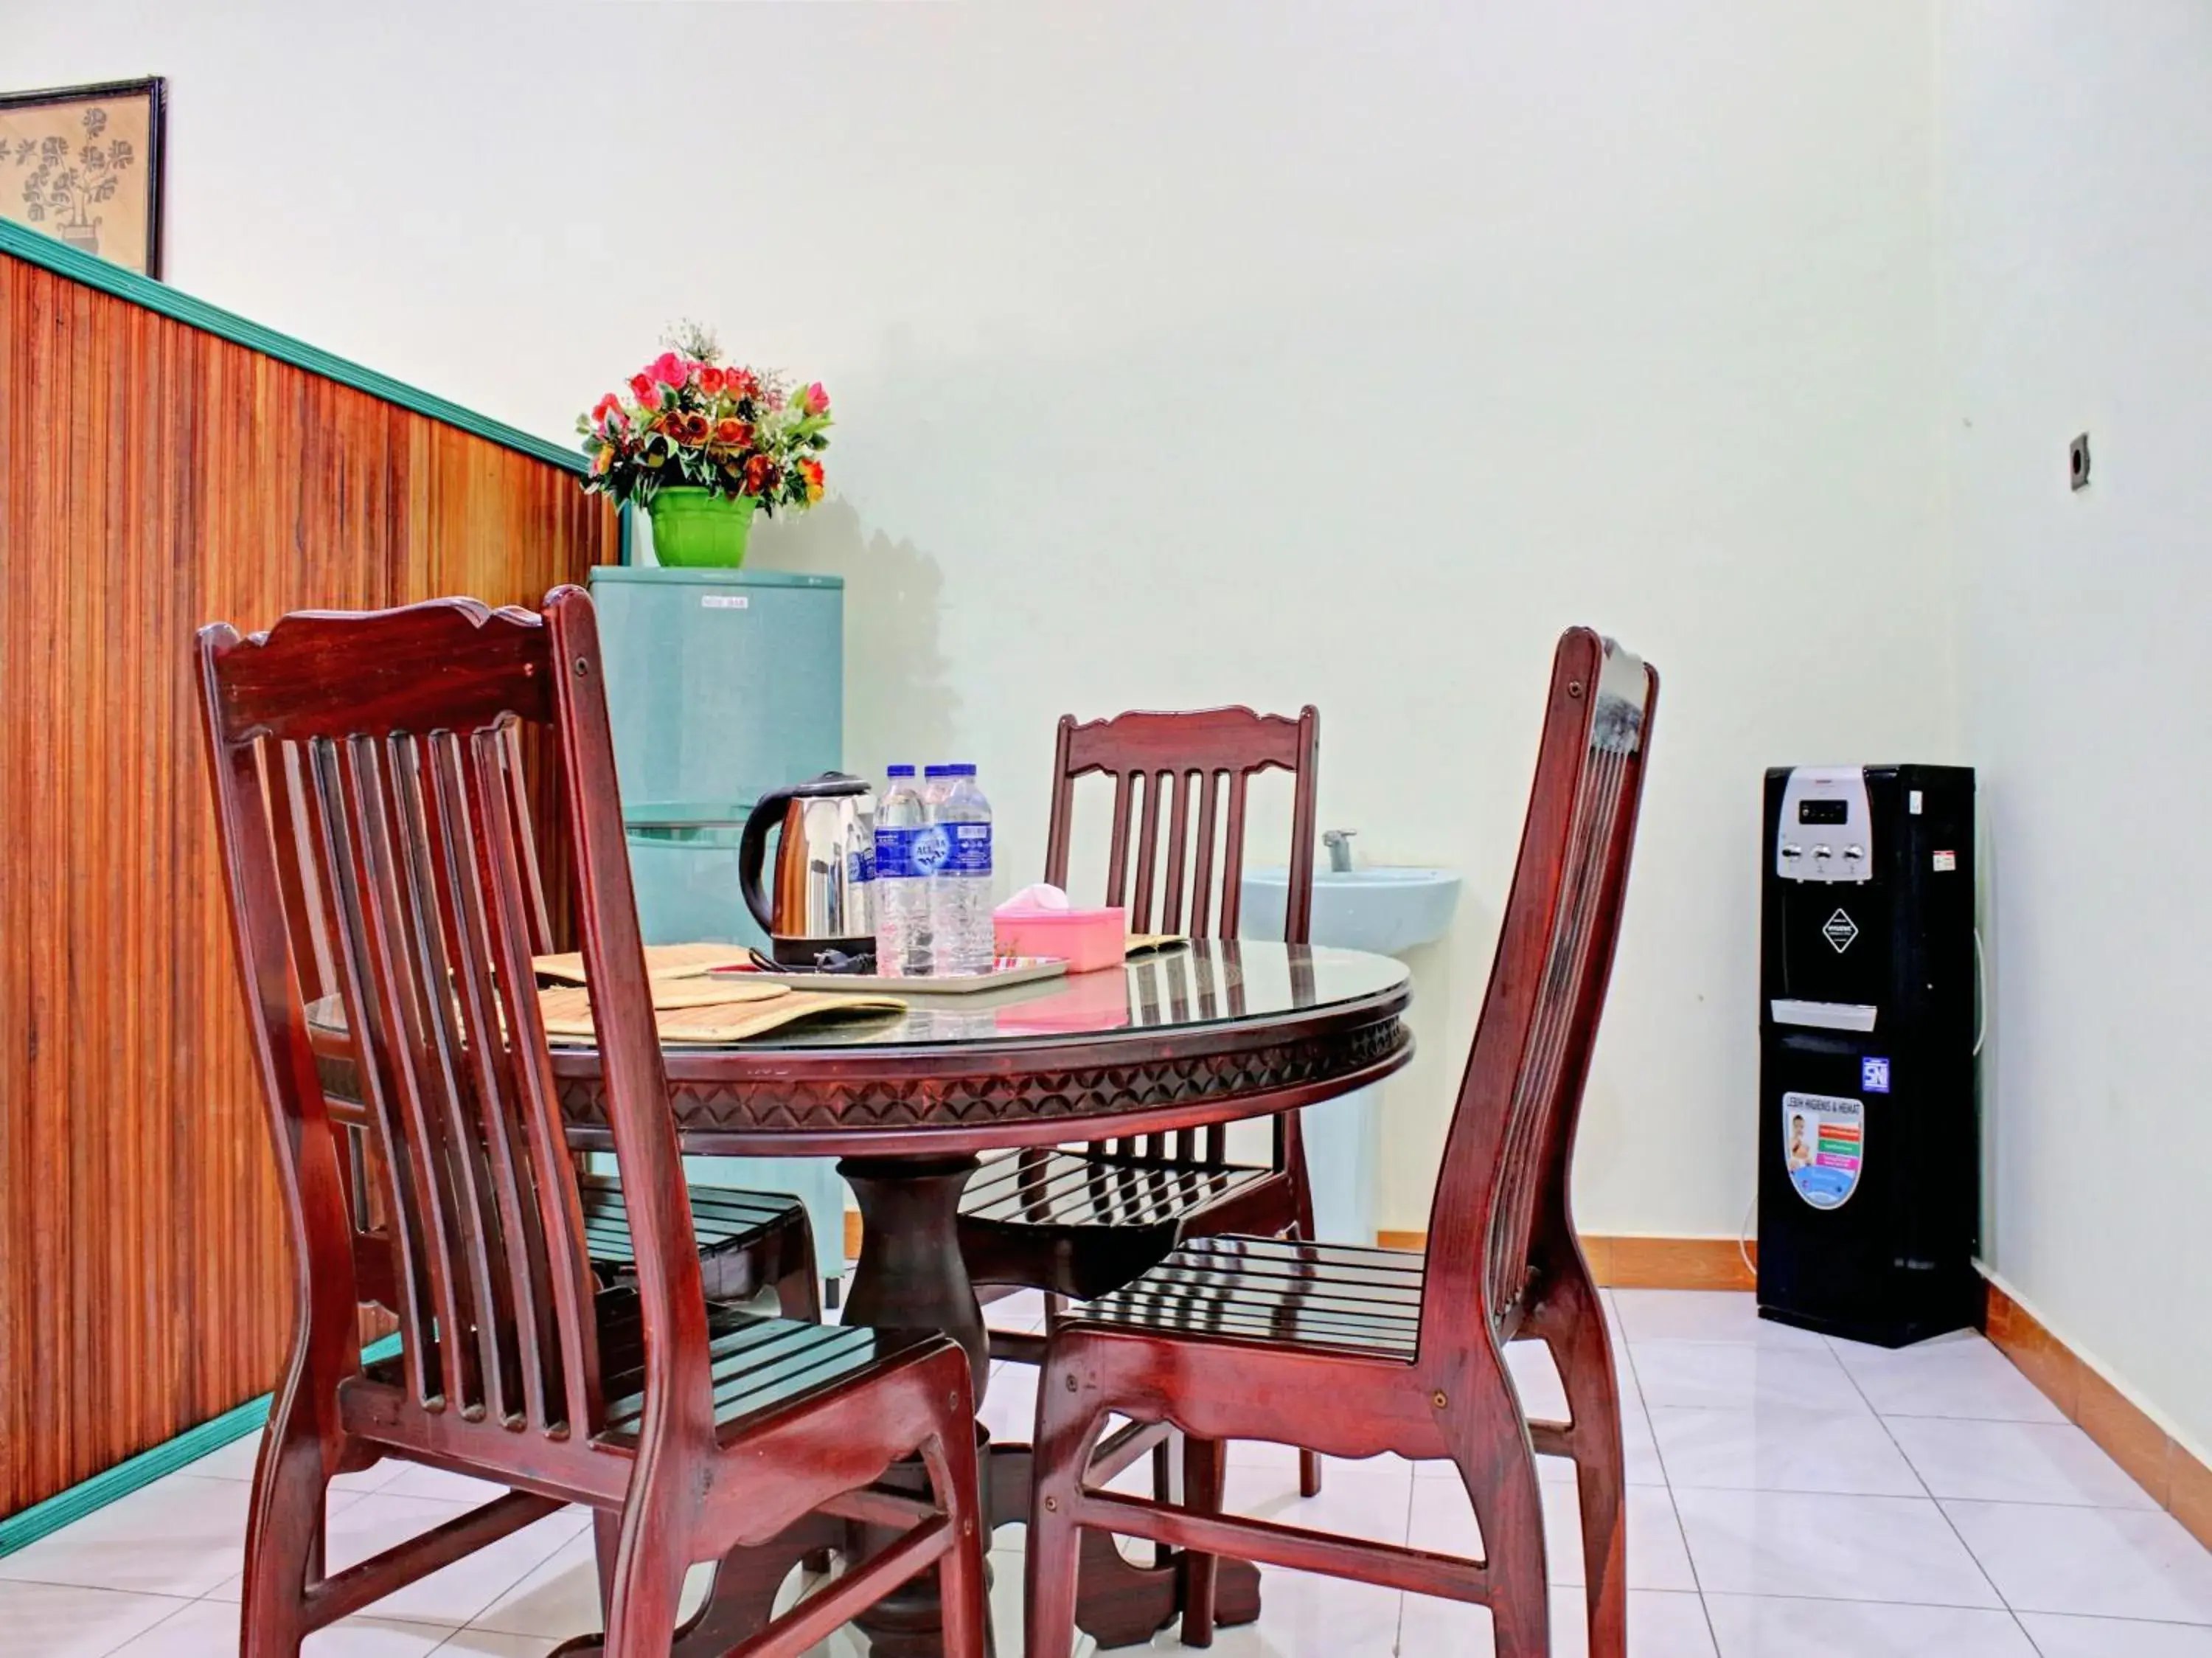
1198	1034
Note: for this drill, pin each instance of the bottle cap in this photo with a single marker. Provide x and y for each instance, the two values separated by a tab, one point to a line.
898	770
962	770
937	770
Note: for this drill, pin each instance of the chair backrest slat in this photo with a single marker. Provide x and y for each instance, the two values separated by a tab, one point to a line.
369	773
1503	1181
1157	759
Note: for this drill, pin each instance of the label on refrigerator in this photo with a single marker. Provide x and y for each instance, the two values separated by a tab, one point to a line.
1823	1146
725	601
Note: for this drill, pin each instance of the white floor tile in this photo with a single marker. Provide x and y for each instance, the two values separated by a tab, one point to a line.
2015	1462
208	1629
1749	1627
490	1643
456	1595
179	1536
2099	1563
1009	1407
420	1479
1537	1379
1741	1376
2106	1637
1721	1315
1775	1449
1661	1624
1302	1615
1824	1546
1443	1520
235	1461
60	1621
1959	1375
1370	1499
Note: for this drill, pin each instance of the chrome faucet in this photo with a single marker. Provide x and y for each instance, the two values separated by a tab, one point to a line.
1338	845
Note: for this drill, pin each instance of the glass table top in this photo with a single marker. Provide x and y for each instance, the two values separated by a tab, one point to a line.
1209	982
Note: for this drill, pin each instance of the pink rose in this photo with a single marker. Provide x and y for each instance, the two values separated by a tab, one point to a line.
817	401
608	408
669	369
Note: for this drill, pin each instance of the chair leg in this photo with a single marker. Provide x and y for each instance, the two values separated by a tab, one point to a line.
650	1561
1067	1425
284	1531
1308	1474
1575	1333
1205	1471
964	1598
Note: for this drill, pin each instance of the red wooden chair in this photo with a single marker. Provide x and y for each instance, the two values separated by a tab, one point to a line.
1360	1351
749	1241
1079	1222
689	1427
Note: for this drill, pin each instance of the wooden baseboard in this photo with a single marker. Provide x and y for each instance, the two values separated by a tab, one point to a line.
2166	1468
1643	1263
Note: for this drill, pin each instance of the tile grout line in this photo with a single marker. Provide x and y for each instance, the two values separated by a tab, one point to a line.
1920	1480
1667	1479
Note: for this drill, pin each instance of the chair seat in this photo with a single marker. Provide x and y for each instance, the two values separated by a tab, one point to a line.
758	1364
1275	1291
732	1227
1082	1222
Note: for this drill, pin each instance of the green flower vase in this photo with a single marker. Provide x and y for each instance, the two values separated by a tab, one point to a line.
697	529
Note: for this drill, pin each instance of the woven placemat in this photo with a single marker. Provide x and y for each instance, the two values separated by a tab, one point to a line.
661	961
729	1018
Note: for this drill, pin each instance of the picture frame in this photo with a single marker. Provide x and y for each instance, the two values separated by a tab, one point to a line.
83	165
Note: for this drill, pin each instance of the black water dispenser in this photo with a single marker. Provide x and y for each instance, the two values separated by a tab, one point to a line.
1869	1171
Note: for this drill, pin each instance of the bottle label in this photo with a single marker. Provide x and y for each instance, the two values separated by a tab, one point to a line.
860	866
969	853
894	854
931	848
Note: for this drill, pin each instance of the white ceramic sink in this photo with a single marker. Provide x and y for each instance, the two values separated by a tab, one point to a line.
1386	908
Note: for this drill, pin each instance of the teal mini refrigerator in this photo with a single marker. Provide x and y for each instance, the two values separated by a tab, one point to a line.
721	685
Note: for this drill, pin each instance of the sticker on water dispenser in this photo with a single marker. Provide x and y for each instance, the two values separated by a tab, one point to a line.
1823	1144
1874	1073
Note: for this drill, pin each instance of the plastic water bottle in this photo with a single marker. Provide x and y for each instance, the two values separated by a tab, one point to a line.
903	948
960	895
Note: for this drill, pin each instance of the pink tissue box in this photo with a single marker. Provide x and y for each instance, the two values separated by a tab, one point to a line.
1086	940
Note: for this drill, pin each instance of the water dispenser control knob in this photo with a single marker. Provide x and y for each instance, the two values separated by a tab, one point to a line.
1854	852
1793	852
1823	852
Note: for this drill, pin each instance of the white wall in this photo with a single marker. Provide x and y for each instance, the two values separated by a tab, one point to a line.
1266	353
2077	249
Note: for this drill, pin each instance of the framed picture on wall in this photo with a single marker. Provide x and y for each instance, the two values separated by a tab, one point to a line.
83	164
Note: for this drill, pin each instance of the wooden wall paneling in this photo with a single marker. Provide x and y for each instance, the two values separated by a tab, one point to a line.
153	475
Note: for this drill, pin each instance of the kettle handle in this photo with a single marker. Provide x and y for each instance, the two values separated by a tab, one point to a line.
753	852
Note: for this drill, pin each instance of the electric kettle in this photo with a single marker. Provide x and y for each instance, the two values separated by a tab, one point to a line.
824	896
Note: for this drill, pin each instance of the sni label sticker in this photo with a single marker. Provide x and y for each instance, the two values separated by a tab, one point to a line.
1873	1075
1823	1145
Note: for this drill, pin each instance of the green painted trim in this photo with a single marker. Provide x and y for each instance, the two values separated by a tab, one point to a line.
659	576
35	248
43	1518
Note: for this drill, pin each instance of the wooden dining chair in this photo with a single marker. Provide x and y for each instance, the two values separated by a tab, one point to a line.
1360	1351
749	1241
689	1427
1077	1223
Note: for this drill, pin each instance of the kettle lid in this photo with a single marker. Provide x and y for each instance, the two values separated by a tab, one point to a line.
828	785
